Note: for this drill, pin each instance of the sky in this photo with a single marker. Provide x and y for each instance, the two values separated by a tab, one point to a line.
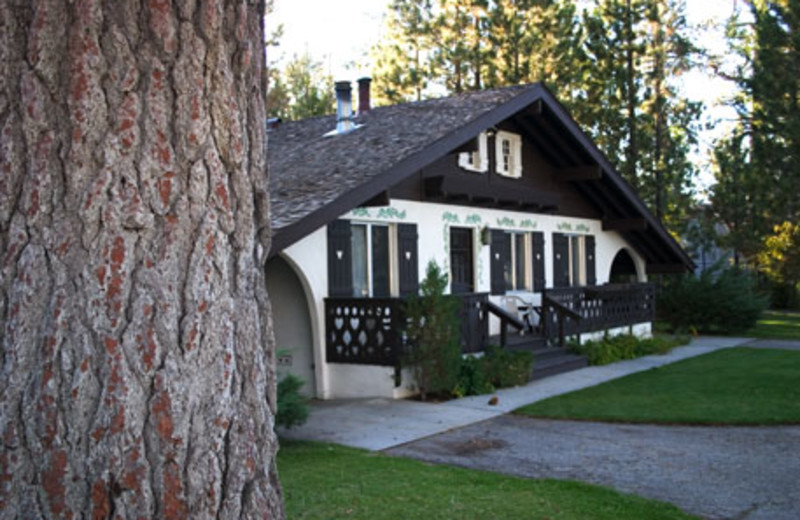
339	33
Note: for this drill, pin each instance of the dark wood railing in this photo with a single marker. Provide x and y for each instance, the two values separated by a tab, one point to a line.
595	308
365	331
506	319
370	331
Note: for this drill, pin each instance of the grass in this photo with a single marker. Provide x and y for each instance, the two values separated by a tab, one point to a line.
323	481
739	386
777	325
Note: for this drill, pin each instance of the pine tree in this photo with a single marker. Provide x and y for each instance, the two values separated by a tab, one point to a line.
135	340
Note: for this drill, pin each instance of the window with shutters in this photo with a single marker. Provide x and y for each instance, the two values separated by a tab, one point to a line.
371	260
477	161
517	269
573	260
508	155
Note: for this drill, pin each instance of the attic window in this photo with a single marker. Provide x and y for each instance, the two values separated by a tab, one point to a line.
508	151
477	161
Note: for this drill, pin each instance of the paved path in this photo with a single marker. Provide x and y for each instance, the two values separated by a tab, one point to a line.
743	473
379	424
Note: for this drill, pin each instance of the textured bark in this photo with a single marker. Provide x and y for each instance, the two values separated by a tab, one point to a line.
138	367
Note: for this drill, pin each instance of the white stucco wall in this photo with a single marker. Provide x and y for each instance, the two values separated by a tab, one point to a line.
309	257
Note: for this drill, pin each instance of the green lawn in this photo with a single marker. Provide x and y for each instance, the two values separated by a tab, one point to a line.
731	386
326	482
777	325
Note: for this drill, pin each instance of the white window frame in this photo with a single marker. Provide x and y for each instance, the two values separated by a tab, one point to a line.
527	284
477	161
394	282
508	165
577	279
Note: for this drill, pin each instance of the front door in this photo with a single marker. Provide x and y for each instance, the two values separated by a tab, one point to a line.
461	261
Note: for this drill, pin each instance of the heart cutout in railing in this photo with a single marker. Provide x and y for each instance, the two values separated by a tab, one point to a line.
354	323
338	323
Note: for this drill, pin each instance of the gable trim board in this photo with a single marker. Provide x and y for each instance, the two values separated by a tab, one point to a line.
658	247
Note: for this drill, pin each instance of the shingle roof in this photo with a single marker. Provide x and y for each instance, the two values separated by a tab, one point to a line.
315	178
308	170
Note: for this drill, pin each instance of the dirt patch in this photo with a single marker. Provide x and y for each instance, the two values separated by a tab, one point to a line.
473	446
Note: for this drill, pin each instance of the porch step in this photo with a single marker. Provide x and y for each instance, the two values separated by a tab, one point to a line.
552	361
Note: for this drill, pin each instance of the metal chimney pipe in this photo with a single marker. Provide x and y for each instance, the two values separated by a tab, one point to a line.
363	95
344	107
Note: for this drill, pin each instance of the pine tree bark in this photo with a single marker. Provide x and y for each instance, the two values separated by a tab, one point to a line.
138	367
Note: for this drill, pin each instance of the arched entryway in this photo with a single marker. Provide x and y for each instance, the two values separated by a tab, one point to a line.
623	268
291	323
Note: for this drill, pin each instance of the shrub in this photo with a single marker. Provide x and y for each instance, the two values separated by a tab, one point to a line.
472	378
292	406
720	300
433	331
624	346
506	368
497	368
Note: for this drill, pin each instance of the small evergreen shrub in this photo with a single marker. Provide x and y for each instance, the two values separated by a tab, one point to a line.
472	379
506	368
497	368
292	406
721	300
433	331
611	349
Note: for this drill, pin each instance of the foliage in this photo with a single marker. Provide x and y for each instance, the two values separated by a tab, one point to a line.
472	378
292	406
433	330
730	386
756	164
323	481
721	300
300	89
611	349
779	260
497	368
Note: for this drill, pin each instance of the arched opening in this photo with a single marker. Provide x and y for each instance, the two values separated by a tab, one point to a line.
623	268
291	323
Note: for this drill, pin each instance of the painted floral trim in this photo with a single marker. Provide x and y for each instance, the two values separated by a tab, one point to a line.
360	212
529	224
450	217
505	221
473	219
389	213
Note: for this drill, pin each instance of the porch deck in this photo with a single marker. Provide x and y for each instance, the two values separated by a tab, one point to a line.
370	331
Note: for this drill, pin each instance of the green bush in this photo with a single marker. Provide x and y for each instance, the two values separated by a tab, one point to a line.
472	379
292	406
433	331
611	349
720	300
497	368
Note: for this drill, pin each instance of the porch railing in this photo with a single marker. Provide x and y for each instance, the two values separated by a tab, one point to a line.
370	331
600	307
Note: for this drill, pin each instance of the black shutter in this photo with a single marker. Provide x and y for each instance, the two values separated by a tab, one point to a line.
499	251
537	260
591	277
340	264
407	259
560	260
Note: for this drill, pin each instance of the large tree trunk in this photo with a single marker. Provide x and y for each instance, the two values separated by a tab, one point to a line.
138	371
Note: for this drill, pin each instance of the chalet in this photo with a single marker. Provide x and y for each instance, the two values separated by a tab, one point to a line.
535	227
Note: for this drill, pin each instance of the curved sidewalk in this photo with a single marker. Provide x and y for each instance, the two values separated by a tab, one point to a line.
380	424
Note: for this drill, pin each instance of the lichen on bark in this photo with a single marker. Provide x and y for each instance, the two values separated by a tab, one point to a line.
138	365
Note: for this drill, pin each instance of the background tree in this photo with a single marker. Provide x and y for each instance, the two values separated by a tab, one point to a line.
402	68
301	89
138	365
756	163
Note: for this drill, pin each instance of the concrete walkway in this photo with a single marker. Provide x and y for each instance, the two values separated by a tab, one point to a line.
380	424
